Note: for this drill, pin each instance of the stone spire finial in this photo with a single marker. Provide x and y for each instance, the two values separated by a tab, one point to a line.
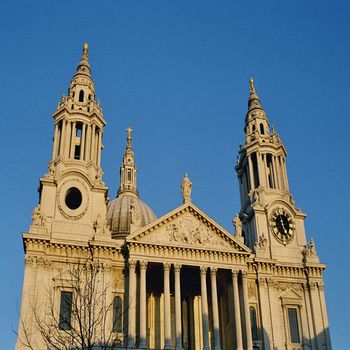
186	189
84	66
253	101
251	85
85	49
128	168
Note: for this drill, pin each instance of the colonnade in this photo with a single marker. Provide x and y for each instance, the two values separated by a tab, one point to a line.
132	307
65	141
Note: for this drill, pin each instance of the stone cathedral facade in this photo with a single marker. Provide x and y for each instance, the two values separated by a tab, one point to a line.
180	281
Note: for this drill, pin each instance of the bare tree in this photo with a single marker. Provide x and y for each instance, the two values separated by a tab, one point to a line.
85	314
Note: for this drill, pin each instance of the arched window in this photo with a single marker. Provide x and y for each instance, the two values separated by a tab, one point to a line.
81	96
117	315
254	323
262	130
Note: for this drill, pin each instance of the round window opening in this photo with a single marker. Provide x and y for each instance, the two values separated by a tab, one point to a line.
73	198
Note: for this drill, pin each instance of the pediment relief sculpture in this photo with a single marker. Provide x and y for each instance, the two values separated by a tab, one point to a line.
186	231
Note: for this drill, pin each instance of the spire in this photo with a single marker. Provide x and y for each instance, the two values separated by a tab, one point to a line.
253	102
84	66
128	169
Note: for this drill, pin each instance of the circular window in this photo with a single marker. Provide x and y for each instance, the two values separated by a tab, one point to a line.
73	198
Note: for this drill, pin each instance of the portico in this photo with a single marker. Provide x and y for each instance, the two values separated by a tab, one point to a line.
176	285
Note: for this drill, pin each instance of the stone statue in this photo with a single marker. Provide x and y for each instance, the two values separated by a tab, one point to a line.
186	189
312	248
100	225
262	243
38	218
237	223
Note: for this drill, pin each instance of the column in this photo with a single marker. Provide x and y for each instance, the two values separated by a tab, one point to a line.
99	147
248	330
324	314
143	312
237	310
132	304
284	169
265	312
82	143
93	136
275	163
67	139
316	314
54	151
63	138
205	321
251	172
88	143
214	295
72	141
167	309
178	317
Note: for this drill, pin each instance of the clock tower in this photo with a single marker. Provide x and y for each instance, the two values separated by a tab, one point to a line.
268	212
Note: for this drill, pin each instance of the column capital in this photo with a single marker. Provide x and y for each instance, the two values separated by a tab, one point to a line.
203	270
132	264
143	264
235	273
166	267
177	267
213	271
244	274
262	281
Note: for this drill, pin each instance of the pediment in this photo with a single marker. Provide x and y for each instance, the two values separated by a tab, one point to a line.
188	227
291	297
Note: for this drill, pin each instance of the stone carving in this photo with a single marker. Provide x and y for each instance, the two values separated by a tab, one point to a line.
51	173
251	290
189	231
262	243
38	217
238	225
310	249
100	225
98	176
284	286
186	189
135	218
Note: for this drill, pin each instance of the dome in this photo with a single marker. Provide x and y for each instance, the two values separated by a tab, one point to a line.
127	213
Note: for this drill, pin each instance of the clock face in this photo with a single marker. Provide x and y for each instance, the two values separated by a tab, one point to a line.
282	225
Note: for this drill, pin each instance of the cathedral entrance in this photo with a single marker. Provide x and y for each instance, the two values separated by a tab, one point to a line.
191	309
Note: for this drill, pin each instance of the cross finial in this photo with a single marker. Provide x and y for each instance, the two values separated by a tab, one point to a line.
129	130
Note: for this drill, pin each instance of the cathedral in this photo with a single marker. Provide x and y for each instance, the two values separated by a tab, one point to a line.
103	274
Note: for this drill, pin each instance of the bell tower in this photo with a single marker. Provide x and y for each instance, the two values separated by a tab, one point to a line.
72	194
272	225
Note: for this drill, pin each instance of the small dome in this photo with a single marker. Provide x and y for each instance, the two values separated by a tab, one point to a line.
127	213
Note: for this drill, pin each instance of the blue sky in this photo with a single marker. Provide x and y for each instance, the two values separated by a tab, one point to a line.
178	71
